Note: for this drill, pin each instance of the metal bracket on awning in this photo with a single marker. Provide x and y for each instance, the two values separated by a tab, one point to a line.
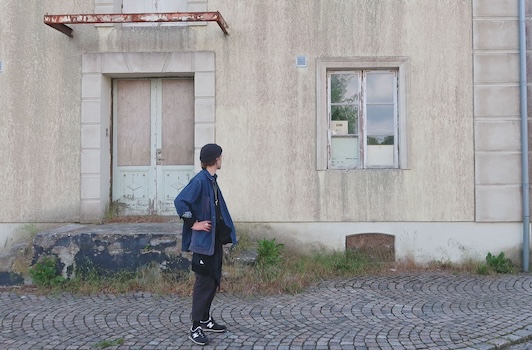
60	22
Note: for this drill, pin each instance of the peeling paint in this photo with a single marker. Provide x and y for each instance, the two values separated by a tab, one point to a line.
59	21
67	257
115	249
159	241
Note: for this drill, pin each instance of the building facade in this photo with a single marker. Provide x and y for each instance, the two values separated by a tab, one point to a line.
336	118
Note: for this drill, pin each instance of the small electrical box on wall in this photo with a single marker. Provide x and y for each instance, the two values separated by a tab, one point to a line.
301	61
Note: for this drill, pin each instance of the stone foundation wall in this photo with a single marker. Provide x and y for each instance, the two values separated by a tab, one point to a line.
107	249
113	247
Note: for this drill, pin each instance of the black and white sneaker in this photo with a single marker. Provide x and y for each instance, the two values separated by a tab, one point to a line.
212	326
198	337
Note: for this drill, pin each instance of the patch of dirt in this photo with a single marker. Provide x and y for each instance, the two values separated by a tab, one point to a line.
25	289
132	219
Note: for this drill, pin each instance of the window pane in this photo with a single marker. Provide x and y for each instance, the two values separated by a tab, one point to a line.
381	140
344	151
349	113
171	5
380	120
344	88
138	6
380	87
133	122
380	155
177	134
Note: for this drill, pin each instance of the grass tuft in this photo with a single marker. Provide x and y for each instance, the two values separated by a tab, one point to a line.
108	343
278	270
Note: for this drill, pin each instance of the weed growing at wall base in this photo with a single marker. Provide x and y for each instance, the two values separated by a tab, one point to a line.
294	271
500	263
45	273
278	269
496	264
269	253
269	258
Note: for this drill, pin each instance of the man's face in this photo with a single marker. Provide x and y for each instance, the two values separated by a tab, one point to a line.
219	162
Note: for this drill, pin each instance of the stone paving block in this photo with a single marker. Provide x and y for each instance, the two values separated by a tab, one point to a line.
524	333
485	347
500	342
445	312
512	337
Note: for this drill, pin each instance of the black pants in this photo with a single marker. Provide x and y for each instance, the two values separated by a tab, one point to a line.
205	288
202	297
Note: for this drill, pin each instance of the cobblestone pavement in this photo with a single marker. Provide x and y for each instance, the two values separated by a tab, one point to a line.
405	311
524	346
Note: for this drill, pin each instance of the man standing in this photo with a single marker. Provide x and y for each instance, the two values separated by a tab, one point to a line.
207	226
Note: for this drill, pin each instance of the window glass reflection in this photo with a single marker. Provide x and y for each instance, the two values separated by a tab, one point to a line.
380	120
348	113
379	87
344	88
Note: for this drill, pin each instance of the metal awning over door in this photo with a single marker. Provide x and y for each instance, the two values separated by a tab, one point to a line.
60	22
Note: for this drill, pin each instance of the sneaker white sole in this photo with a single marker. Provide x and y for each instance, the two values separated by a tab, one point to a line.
197	342
214	330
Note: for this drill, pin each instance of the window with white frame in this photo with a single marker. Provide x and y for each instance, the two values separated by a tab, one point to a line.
360	121
362	106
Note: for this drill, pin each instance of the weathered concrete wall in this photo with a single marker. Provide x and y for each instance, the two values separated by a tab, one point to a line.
265	107
11	234
497	110
414	241
39	138
270	172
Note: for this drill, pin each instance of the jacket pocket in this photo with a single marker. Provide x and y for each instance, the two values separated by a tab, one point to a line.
201	239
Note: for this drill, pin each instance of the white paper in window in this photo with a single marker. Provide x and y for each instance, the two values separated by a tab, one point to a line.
339	127
380	155
344	151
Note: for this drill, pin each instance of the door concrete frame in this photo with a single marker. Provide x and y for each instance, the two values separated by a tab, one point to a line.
98	70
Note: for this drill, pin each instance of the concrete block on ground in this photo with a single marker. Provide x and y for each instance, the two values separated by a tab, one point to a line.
113	247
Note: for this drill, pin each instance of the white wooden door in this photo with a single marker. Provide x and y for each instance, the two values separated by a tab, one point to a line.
153	143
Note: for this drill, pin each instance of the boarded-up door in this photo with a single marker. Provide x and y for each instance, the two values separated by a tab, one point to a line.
153	143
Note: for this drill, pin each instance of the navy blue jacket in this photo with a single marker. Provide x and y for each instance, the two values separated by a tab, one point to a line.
196	201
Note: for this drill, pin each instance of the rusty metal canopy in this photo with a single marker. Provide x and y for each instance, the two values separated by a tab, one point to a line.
60	22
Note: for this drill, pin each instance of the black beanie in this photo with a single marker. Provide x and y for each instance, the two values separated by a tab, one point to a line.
209	153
